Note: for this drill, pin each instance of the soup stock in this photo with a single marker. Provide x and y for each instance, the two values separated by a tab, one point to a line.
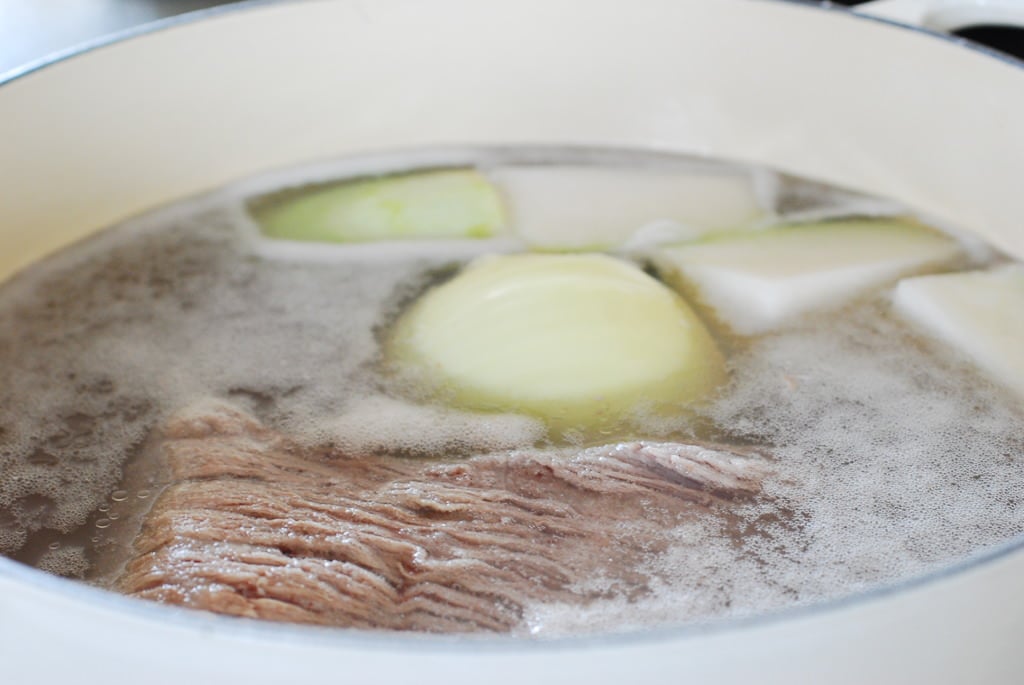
747	123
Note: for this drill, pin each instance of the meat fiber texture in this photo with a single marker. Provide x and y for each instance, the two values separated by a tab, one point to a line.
254	524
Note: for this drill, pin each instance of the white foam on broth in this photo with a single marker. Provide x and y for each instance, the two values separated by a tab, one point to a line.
891	457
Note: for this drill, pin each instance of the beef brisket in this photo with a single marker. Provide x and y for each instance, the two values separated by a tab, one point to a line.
253	524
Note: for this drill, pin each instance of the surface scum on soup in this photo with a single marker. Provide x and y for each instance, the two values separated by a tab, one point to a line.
881	400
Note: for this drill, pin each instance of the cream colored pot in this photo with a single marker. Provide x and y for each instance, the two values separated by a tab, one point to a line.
190	105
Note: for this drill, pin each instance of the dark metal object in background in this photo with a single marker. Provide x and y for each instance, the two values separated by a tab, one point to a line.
1008	39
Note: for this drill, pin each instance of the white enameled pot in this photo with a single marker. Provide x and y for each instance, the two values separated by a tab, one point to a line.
190	105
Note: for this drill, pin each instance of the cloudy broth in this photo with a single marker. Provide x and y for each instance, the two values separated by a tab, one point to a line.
888	455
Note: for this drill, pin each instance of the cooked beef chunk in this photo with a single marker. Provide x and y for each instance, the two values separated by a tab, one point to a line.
253	524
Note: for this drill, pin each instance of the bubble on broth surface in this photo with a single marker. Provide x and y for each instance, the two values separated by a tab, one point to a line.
892	461
70	562
103	340
380	424
897	458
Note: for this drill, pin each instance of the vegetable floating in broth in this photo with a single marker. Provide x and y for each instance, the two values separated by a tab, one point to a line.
583	342
438	204
530	390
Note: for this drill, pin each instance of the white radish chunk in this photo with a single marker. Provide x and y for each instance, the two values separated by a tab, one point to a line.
979	313
562	208
760	280
583	342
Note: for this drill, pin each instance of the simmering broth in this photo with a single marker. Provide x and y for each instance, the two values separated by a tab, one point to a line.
883	454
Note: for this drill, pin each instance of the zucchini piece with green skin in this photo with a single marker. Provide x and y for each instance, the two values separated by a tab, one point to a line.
441	204
756	281
583	342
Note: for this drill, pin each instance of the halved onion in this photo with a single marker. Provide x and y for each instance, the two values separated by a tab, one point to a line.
585	342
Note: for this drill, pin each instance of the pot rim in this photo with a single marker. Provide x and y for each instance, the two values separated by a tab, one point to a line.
199	621
244	5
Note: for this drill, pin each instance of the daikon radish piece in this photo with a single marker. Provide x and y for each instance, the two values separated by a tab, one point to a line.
562	208
978	313
756	281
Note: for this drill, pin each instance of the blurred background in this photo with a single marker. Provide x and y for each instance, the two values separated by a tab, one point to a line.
33	29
